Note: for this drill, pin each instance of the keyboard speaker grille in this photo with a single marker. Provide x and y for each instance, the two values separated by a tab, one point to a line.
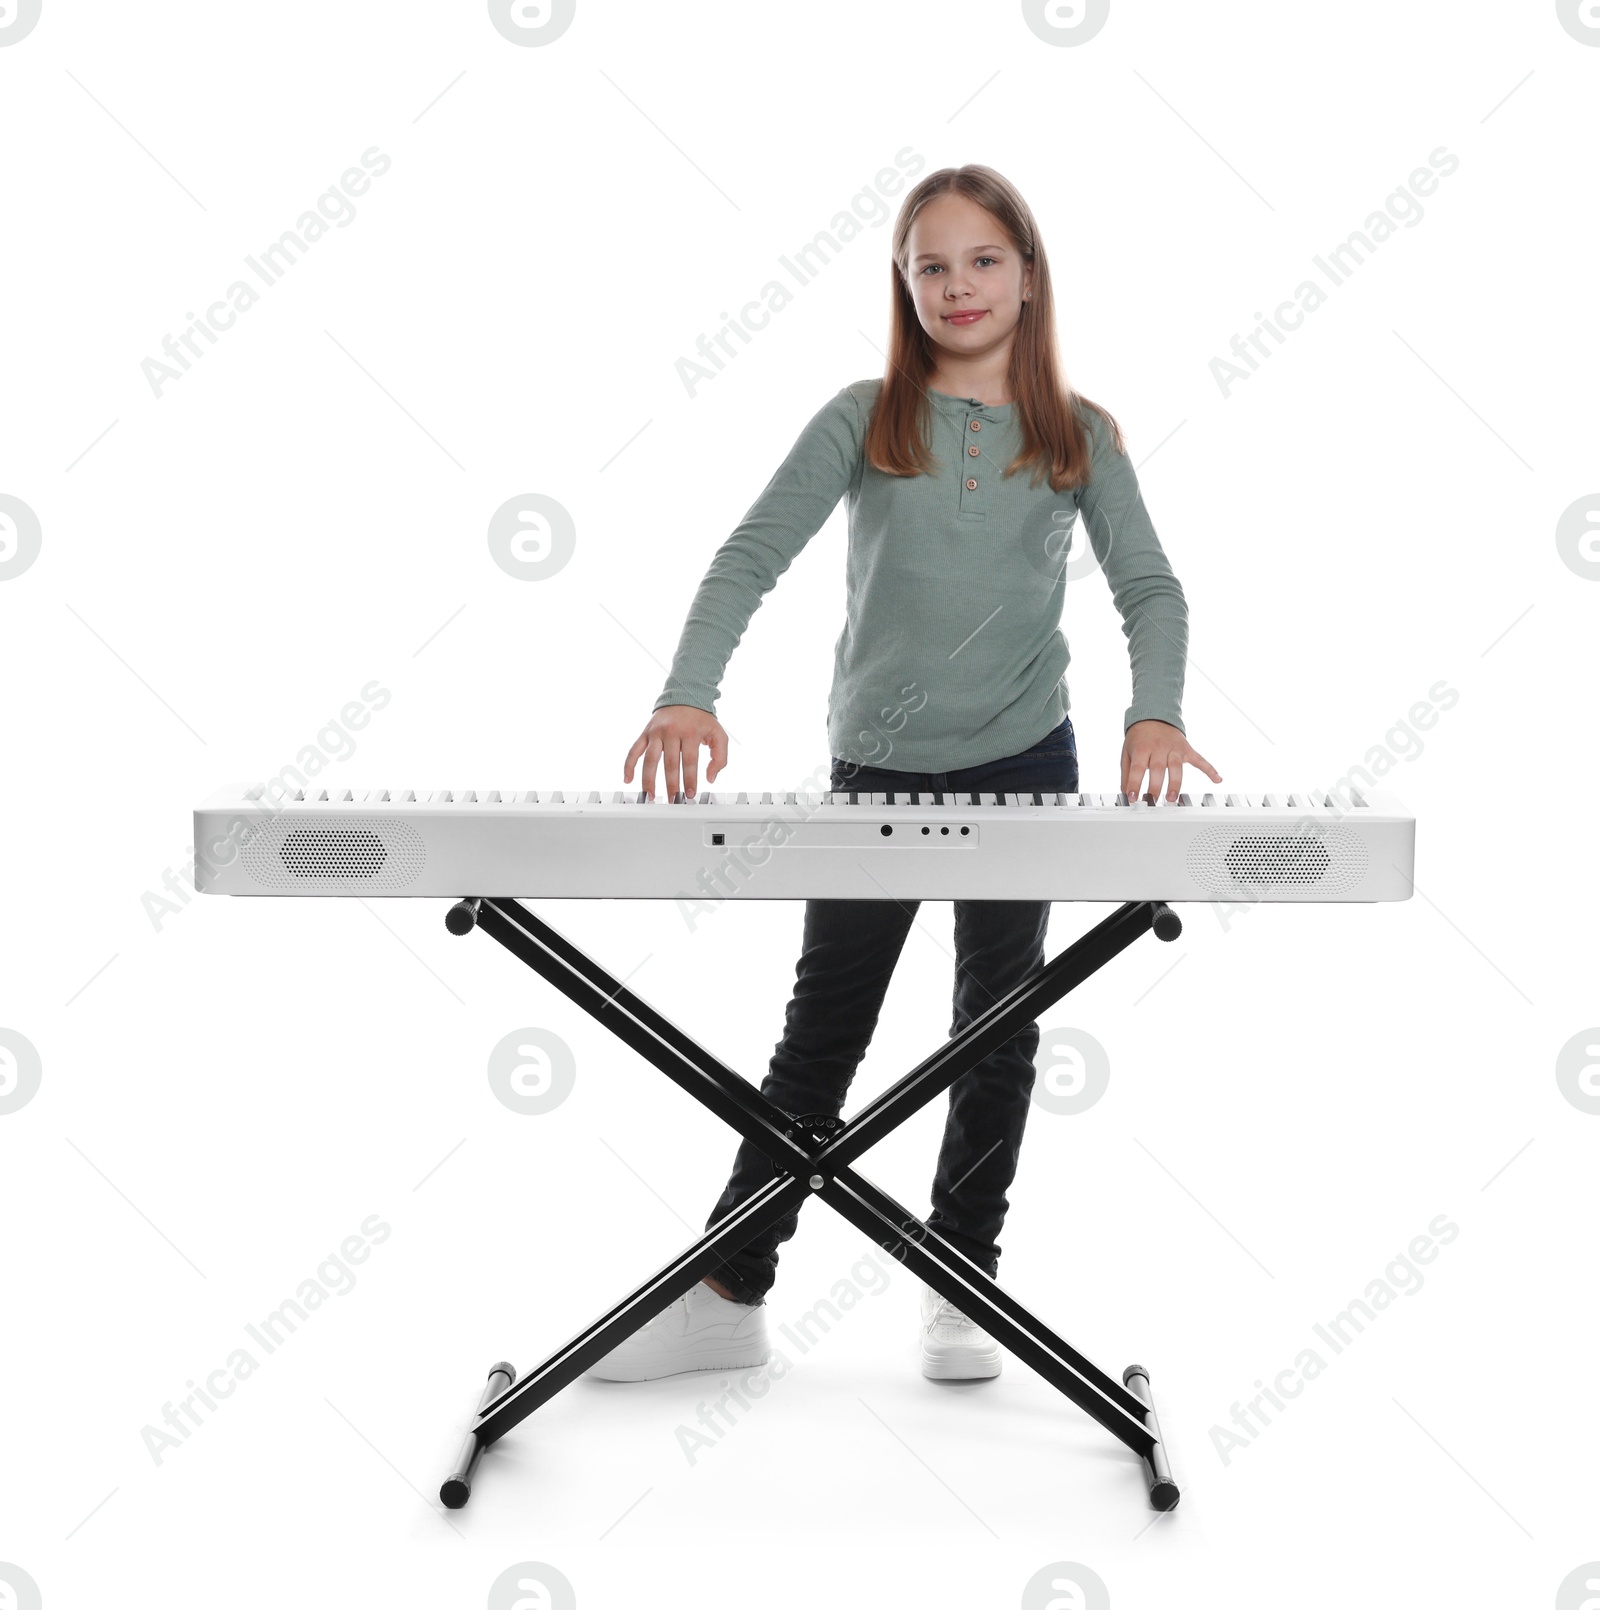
1319	855
363	853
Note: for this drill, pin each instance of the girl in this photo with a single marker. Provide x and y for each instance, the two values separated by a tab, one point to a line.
965	468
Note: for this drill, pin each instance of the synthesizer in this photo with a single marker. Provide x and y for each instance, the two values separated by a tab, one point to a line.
1304	845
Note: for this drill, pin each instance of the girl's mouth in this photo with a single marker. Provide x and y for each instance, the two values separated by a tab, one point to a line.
965	318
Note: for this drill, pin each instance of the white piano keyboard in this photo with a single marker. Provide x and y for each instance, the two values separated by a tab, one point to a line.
1304	845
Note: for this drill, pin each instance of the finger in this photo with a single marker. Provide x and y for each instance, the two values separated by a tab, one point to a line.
1156	768
1158	776
647	773
1174	775
672	758
1198	760
691	765
1133	768
719	754
639	746
1200	763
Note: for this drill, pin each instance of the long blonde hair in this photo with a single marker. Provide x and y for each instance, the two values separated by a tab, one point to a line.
1055	435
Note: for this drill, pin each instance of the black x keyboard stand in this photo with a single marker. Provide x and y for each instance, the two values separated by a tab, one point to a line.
816	1161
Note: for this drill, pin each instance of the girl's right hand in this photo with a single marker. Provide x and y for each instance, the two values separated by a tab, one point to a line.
673	736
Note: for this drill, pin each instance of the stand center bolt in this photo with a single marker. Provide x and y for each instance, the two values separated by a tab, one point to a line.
816	1182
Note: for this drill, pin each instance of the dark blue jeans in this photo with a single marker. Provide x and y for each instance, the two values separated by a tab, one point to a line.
848	954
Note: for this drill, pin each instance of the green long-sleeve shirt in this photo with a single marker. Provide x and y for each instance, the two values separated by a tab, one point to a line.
951	653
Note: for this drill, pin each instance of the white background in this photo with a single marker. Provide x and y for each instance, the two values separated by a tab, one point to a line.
230	1087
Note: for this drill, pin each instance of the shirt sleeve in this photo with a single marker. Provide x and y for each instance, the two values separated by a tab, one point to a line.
1155	615
794	506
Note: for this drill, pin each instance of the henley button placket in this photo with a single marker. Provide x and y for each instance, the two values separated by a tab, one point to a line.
971	500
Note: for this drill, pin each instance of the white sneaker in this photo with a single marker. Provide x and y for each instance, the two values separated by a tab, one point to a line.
954	1348
700	1331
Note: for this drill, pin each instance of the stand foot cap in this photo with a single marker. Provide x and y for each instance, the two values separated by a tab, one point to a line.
462	917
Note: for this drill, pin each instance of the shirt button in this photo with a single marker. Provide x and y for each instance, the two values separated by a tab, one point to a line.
977	424
972	452
972	486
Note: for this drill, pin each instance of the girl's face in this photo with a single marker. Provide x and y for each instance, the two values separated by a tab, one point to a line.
966	278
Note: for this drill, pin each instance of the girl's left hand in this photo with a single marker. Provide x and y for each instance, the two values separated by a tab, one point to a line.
1159	748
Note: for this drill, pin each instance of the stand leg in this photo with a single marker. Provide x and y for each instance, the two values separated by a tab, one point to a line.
513	1402
457	1487
952	1274
1163	1489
